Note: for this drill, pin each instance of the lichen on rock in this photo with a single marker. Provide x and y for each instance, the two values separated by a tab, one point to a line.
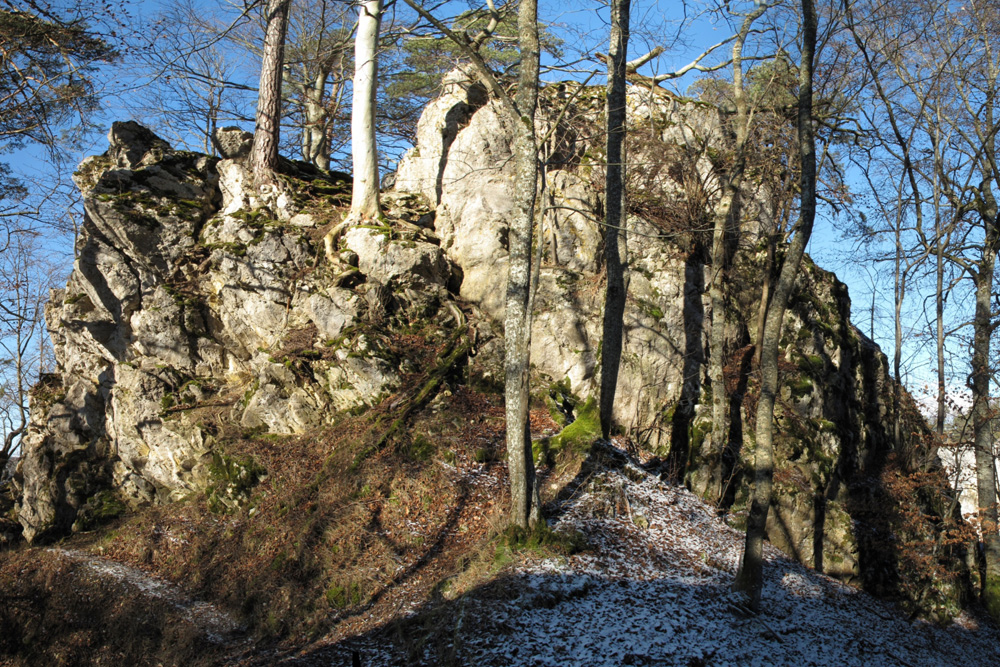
197	302
183	300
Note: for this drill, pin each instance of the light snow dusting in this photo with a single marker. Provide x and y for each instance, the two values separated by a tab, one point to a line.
217	625
653	589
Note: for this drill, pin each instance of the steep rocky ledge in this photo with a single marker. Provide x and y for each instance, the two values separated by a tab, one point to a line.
182	298
190	299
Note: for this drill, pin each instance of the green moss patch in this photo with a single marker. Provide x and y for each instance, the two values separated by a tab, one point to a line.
101	508
800	386
541	541
991	597
343	595
577	437
232	481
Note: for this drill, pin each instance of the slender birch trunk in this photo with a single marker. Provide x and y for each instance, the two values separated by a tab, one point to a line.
364	195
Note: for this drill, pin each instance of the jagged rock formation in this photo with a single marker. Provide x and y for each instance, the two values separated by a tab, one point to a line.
183	295
192	296
834	441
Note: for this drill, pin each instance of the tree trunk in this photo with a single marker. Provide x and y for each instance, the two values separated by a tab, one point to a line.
364	195
939	309
525	497
520	112
723	224
765	292
315	145
982	417
264	155
750	577
614	189
899	292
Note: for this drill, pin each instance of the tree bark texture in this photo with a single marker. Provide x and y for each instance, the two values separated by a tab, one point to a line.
940	252
614	216
264	155
723	224
750	577
765	292
525	497
982	416
315	144
520	112
364	195
899	293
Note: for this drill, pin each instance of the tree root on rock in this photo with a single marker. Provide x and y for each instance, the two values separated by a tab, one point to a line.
455	350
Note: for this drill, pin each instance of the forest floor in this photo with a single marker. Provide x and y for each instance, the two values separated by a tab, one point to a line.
652	588
646	583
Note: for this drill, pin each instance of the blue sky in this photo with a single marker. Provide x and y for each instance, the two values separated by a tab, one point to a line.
653	24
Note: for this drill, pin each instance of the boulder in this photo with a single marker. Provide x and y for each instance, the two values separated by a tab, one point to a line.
232	143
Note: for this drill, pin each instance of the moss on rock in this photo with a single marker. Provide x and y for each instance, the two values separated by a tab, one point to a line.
100	508
232	481
577	437
991	597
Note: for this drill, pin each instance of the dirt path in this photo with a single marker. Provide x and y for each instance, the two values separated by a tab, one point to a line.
218	626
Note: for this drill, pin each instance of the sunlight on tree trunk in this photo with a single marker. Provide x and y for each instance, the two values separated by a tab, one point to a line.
615	216
750	577
723	227
520	114
264	154
364	196
525	497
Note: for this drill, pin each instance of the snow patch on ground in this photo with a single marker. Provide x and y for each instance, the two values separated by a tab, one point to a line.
653	589
216	624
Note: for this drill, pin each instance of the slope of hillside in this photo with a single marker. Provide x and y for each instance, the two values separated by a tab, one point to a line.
652	588
265	417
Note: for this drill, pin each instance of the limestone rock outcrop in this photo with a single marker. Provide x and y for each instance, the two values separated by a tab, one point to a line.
196	300
833	439
183	295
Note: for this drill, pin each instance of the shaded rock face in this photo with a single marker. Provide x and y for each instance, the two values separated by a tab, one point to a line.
195	299
182	298
832	411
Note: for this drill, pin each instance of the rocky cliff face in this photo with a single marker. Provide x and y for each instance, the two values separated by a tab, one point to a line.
192	302
183	299
837	459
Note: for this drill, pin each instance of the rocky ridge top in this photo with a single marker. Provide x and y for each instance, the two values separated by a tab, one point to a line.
195	302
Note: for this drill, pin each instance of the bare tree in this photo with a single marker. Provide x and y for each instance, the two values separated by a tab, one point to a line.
520	114
23	292
191	74
614	220
723	227
938	88
750	577
317	62
48	88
